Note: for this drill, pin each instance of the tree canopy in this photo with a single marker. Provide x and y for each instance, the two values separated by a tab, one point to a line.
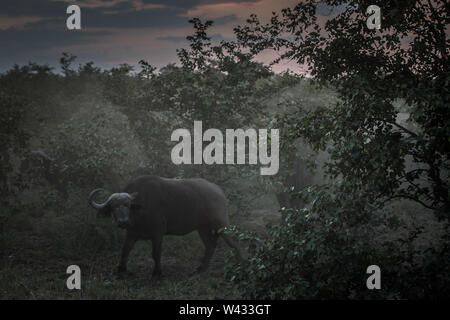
374	71
388	137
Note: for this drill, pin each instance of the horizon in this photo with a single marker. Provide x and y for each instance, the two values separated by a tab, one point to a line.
115	32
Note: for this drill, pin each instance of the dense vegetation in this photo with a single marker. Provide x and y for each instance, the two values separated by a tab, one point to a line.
374	182
374	157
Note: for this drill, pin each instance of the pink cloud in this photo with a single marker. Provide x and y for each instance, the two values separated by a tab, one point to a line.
17	22
137	4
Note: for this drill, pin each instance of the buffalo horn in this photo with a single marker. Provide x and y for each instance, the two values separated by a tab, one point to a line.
93	203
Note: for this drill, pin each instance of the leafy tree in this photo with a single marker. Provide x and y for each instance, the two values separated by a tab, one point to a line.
218	84
65	62
12	135
372	70
323	250
90	151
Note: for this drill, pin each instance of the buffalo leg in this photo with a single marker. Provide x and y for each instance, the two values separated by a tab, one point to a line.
127	247
156	253
210	241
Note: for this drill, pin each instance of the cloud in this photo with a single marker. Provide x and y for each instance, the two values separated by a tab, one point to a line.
323	9
123	46
22	46
177	39
18	22
241	11
157	17
40	8
186	4
116	30
174	39
121	15
135	4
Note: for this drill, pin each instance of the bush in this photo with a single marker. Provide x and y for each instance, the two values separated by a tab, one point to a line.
94	145
324	254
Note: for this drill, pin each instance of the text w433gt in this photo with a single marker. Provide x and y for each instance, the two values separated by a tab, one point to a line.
262	309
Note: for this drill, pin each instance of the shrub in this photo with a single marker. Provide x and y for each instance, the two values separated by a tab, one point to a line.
323	252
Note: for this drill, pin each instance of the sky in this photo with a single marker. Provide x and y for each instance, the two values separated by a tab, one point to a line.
120	31
124	31
115	31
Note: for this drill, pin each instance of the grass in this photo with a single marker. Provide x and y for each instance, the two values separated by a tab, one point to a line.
35	262
35	251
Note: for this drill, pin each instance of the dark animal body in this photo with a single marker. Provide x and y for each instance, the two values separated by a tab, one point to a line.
151	207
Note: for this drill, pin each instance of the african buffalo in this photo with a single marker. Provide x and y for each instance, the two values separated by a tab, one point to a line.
150	207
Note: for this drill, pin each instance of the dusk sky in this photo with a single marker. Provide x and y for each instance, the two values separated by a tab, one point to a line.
115	31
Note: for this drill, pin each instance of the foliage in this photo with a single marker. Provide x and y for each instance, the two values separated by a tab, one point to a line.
99	125
219	85
407	59
93	145
323	250
98	128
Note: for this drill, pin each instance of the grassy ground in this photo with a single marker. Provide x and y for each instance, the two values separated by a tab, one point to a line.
37	252
35	272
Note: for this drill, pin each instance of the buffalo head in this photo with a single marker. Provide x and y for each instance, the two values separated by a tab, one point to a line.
118	206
